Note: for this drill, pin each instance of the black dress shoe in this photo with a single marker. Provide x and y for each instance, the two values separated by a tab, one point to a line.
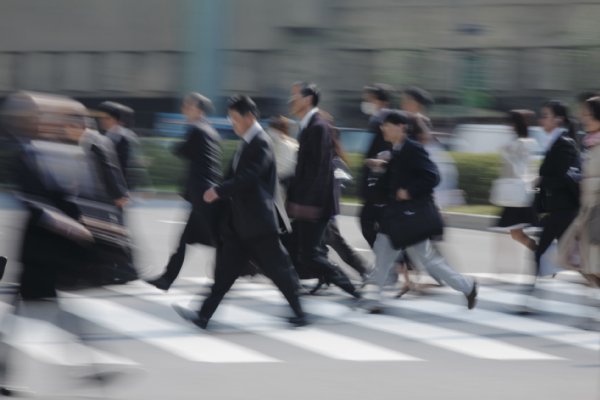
160	283
192	316
472	297
298	321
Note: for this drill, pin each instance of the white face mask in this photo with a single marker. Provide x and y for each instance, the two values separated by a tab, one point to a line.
368	108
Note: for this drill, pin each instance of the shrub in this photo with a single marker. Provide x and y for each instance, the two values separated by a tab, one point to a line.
476	174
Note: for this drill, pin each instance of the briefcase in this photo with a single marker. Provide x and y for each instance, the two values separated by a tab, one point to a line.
411	222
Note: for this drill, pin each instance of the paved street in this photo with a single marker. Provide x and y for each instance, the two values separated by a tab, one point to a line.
426	345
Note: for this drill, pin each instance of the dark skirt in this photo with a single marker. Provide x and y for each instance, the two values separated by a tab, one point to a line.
517	217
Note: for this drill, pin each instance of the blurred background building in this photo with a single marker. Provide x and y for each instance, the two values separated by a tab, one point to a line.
472	55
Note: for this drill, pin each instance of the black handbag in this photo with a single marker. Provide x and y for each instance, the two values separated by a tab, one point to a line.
411	222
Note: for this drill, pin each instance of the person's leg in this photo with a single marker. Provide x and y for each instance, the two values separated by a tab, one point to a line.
337	242
425	256
230	257
385	260
310	258
555	224
274	261
519	235
368	223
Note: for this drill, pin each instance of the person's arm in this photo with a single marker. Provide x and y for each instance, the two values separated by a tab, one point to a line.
248	175
426	174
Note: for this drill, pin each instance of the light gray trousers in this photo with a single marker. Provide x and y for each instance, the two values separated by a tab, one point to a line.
424	256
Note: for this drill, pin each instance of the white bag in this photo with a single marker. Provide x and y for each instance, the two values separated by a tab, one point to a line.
549	264
511	192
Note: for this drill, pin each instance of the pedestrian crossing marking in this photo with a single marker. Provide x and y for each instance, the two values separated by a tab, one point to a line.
177	339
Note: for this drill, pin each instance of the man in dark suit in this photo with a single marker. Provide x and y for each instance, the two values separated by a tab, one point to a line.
410	177
313	196
253	218
112	120
201	149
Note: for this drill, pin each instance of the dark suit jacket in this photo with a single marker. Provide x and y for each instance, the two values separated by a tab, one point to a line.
313	188
558	190
202	150
255	205
410	168
124	141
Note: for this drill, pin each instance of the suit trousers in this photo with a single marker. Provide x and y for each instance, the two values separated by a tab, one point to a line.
309	258
270	256
554	225
424	256
369	222
188	236
336	241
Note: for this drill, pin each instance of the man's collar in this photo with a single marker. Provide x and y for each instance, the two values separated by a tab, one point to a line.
251	132
306	119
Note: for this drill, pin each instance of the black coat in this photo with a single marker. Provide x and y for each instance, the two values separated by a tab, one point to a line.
411	169
255	205
202	149
378	144
559	189
313	189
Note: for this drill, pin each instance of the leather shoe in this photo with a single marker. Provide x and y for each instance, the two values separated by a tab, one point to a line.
298	321
160	283
472	297
192	316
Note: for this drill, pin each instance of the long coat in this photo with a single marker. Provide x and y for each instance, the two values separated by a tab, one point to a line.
576	238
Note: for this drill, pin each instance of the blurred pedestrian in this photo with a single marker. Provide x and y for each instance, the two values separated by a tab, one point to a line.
516	182
285	148
313	196
407	184
113	118
579	247
202	150
254	216
377	99
559	175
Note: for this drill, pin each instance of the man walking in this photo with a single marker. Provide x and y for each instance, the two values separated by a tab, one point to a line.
253	217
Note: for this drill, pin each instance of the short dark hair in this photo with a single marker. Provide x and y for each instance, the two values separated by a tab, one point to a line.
380	91
113	109
202	102
593	104
584	96
421	96
243	105
310	89
396	118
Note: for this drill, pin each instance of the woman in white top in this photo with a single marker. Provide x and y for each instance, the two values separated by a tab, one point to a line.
517	164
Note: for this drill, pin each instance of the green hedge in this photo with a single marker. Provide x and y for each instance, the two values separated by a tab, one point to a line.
477	171
476	174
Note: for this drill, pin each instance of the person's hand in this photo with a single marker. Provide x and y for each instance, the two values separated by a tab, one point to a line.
211	195
122	202
375	164
402	194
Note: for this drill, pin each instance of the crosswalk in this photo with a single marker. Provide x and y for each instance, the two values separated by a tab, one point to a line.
249	327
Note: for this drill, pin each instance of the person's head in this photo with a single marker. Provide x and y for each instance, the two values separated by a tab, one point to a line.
376	97
519	121
555	114
591	115
280	124
75	125
394	127
242	112
304	97
195	106
110	115
581	99
415	100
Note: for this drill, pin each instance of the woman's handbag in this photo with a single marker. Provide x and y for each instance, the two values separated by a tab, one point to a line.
411	222
511	192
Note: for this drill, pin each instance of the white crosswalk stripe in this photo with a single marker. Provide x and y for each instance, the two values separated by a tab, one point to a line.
341	333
